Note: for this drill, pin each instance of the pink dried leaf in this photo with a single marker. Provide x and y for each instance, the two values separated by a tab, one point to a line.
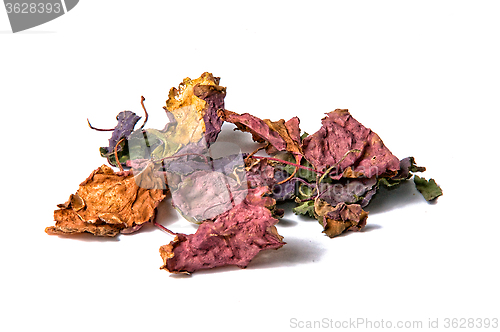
281	135
232	238
341	133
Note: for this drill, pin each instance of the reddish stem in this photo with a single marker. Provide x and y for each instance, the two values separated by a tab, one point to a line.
163	228
98	129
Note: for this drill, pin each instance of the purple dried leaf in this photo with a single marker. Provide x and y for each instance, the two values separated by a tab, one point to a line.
213	95
341	133
348	191
407	165
126	123
284	191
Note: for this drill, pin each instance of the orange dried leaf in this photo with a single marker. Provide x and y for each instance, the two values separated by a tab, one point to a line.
108	202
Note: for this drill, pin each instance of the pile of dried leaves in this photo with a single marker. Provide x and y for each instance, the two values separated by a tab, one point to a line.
331	175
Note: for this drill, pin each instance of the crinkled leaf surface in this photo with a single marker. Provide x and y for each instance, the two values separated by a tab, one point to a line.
305	208
407	167
341	133
192	112
347	191
281	135
106	203
302	173
232	238
261	172
341	218
213	95
194	104
428	188
203	195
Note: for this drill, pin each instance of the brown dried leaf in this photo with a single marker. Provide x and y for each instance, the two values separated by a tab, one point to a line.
108	202
341	218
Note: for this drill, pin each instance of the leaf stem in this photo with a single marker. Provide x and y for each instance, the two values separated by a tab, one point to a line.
183	155
163	228
256	150
98	129
289	163
116	154
144	108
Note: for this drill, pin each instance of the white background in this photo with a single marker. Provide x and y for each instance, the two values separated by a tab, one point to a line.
423	75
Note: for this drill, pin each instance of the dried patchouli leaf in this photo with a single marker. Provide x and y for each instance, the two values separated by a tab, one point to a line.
233	238
407	167
341	133
194	123
348	191
262	172
126	123
192	112
281	135
203	195
108	202
305	208
194	105
341	218
428	188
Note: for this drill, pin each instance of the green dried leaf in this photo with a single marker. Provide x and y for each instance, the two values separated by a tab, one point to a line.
388	182
305	209
428	188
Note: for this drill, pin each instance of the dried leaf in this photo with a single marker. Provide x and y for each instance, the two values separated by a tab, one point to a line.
407	167
233	238
428	188
261	172
203	195
126	123
281	136
347	191
305	208
341	133
341	218
106	203
193	120
302	173
213	95
194	105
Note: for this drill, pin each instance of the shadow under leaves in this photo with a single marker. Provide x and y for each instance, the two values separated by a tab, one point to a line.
390	199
